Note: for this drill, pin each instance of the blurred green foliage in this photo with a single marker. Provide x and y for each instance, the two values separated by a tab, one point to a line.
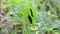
46	15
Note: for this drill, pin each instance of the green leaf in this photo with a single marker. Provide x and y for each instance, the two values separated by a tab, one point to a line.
27	12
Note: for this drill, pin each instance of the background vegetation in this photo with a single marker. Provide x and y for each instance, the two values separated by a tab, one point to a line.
45	19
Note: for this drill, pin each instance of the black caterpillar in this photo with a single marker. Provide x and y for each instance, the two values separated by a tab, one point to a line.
31	12
30	19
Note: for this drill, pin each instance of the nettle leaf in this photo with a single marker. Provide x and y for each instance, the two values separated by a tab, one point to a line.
30	15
